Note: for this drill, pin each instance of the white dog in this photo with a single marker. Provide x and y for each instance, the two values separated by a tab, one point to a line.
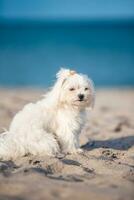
54	123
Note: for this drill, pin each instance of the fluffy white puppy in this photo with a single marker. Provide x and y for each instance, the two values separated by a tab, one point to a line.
54	123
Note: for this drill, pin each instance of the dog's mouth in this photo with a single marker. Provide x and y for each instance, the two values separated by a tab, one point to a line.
78	101
81	100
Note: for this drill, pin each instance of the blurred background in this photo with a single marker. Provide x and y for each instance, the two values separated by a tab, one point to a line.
95	37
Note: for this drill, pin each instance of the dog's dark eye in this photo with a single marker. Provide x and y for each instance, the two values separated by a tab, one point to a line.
86	88
72	89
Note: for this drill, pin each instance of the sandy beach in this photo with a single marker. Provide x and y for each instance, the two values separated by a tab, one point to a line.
105	171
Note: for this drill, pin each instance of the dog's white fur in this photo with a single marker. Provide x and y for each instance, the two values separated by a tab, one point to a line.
53	123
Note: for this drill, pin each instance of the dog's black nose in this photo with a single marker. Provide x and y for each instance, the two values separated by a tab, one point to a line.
81	96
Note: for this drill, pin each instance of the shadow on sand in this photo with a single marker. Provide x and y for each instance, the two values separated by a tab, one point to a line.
123	143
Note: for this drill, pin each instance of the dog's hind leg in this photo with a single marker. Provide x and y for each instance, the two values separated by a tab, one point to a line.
46	145
13	147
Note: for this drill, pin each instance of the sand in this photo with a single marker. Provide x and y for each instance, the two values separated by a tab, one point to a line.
105	171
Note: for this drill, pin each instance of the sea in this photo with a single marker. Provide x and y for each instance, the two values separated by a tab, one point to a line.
32	53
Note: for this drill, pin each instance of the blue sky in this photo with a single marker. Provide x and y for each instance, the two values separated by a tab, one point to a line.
66	9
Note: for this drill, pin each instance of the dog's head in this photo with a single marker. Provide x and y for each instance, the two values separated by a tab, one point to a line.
74	89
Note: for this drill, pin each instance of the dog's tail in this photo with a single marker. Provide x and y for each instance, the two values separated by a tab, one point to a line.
8	147
4	146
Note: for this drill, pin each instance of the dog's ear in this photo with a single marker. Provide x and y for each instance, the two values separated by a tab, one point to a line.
61	76
92	90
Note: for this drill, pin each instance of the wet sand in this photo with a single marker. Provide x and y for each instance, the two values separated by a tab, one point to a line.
104	171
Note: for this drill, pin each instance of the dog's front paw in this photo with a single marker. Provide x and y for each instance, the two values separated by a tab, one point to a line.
80	151
60	155
74	151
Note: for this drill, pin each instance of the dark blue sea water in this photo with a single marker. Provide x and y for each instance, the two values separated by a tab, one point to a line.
31	55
